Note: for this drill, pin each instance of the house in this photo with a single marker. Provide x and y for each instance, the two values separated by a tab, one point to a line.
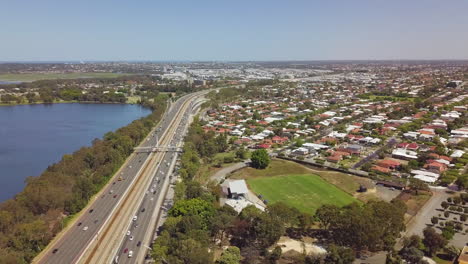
334	159
352	149
300	151
411	146
435	166
404	154
411	135
457	153
314	147
381	169
279	140
389	164
426	176
237	189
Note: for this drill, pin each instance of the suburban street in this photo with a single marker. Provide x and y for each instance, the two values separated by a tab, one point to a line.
86	230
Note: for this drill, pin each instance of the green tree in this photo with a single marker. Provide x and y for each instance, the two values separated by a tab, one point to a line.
195	206
339	255
260	159
327	214
418	185
433	241
230	256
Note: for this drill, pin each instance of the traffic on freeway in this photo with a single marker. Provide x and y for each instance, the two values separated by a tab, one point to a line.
137	238
75	240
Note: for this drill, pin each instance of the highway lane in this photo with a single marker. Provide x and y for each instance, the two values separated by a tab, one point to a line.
102	250
138	238
73	242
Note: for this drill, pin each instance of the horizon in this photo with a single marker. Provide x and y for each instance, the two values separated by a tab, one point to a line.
234	31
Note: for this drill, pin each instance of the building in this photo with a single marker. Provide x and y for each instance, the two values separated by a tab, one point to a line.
237	189
463	258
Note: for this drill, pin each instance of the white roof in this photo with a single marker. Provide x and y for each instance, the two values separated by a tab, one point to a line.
425	178
457	153
425	173
238	186
239	204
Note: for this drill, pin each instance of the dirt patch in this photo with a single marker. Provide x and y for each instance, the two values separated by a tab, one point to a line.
289	244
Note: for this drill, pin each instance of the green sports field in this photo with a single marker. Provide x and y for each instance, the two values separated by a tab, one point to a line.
306	192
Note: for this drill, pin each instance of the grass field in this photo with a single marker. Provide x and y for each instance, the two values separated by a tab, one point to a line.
306	192
29	77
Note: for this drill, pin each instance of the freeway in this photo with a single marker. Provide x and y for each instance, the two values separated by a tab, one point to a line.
70	247
140	232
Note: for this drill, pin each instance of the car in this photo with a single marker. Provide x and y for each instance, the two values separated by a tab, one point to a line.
79	224
130	254
135	218
139	243
115	195
151	199
142	210
85	228
128	232
113	183
54	251
111	191
126	250
92	210
131	238
95	221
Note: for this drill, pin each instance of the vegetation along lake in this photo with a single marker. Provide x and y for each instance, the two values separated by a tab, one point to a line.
33	137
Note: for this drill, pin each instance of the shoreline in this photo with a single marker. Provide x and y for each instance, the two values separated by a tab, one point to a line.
67	102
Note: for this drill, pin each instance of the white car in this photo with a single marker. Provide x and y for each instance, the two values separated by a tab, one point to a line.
130	254
85	228
131	238
135	218
128	232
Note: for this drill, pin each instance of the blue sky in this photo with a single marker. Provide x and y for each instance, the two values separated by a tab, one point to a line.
233	30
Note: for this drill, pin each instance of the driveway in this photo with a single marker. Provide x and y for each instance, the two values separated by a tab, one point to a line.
222	173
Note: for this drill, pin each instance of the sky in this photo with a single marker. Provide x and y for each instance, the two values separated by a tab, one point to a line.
233	30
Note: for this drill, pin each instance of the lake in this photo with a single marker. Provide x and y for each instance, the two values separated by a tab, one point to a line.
33	137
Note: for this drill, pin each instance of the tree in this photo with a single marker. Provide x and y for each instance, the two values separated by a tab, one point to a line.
412	255
445	205
418	185
452	251
434	220
327	214
433	241
195	206
463	217
339	255
260	159
286	214
191	251
241	153
276	254
230	256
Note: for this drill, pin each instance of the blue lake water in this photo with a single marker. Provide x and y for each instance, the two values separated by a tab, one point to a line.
33	137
